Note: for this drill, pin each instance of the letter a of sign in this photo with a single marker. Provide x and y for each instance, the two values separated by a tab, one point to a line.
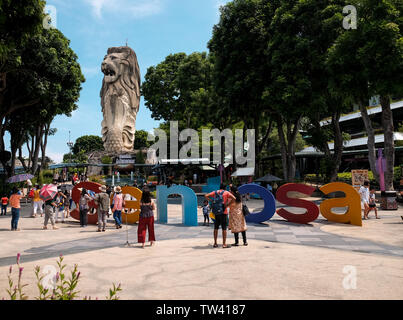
350	21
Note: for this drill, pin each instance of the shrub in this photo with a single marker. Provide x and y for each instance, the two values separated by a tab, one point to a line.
63	288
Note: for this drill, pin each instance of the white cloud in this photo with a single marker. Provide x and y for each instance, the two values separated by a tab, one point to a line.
137	8
56	157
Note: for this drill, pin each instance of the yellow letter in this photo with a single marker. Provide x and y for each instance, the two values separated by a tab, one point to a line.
134	205
352	201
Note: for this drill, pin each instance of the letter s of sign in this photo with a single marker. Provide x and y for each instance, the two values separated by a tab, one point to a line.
312	212
132	206
350	21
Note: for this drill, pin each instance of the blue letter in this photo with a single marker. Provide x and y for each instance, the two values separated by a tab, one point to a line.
189	204
269	203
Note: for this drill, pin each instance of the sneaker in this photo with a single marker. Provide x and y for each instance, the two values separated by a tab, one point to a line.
98	230
245	244
236	244
103	230
55	228
45	228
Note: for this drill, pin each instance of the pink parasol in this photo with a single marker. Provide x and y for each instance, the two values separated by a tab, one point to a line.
48	192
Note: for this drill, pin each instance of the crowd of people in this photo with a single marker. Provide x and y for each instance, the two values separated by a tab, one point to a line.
225	207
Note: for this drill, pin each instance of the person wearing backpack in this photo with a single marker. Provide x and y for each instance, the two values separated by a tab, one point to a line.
220	201
103	201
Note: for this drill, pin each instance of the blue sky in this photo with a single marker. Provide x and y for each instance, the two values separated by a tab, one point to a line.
154	29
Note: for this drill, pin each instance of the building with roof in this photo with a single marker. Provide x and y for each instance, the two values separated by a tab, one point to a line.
355	153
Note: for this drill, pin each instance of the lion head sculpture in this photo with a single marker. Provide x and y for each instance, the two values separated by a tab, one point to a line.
120	99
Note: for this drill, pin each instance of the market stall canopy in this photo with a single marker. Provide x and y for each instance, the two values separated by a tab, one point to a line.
268	178
244	172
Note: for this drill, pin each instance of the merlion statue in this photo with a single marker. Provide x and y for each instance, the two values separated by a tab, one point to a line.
120	99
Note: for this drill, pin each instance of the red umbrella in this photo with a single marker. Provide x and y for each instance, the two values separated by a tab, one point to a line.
48	192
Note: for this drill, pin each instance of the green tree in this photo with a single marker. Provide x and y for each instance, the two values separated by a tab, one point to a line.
238	49
141	140
50	76
86	144
369	62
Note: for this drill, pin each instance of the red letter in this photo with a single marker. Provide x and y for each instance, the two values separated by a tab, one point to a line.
312	212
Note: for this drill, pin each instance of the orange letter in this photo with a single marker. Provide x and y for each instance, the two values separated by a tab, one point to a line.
352	201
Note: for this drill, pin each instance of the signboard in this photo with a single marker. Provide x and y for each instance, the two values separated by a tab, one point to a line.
125	159
358	177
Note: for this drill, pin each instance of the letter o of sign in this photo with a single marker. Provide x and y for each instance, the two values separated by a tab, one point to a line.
133	206
269	203
76	194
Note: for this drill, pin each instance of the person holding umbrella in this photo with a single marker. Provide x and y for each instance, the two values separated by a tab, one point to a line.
48	194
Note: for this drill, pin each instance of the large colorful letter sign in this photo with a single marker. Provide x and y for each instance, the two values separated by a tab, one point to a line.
76	194
189	204
132	206
312	212
351	200
269	203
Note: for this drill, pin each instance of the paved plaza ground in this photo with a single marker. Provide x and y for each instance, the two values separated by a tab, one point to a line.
283	260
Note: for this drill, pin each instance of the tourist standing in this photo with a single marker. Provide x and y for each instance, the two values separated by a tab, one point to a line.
15	209
220	200
206	212
60	200
84	207
364	194
147	208
372	203
237	221
67	203
38	204
4	205
50	207
118	205
102	200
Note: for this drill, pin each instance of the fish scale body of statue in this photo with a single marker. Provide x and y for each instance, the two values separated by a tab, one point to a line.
120	99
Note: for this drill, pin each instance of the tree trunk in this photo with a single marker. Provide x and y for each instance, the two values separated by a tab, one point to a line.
20	157
38	137
338	146
371	139
389	143
44	144
282	146
288	147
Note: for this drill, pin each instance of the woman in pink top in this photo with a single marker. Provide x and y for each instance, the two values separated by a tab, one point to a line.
118	205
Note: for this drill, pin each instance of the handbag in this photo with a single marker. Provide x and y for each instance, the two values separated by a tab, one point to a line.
245	210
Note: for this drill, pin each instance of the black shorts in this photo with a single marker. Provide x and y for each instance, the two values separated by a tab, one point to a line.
372	205
221	220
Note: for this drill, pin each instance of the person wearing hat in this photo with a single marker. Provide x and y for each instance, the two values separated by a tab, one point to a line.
84	207
118	205
102	200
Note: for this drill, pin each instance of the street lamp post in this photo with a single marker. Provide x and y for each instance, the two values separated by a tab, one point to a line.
70	145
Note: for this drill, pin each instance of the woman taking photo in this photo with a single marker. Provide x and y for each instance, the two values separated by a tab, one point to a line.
147	208
237	221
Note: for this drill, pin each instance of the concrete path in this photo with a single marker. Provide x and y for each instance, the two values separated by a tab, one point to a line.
283	260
